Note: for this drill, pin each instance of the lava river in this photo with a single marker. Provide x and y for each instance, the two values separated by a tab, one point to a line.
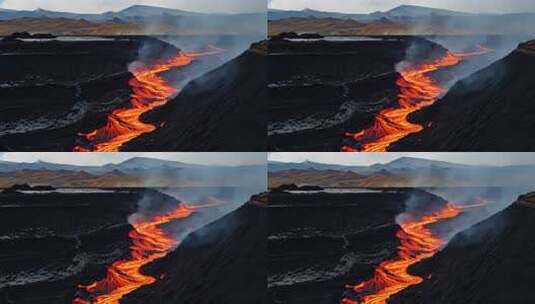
417	90
417	242
149	243
149	90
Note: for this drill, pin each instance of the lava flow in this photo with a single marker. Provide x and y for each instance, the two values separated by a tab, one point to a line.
417	242
149	243
417	90
149	90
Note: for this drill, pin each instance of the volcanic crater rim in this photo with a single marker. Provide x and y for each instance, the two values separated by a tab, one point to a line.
527	48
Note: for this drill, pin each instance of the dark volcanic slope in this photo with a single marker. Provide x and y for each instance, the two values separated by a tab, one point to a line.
492	110
223	262
223	110
50	243
51	90
319	242
492	262
318	90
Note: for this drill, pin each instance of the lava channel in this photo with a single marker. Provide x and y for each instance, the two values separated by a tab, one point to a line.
417	242
417	91
149	243
149	91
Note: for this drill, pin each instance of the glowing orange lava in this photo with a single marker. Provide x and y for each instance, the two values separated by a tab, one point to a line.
417	242
149	90
149	243
417	90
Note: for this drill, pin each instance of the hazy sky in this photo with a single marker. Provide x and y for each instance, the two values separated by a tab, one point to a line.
497	159
367	6
105	158
99	6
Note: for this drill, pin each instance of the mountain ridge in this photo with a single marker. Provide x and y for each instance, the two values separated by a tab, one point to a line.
132	11
134	163
398	163
403	20
398	11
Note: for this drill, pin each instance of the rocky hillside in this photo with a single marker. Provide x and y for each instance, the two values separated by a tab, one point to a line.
54	89
336	26
311	257
223	262
318	90
223	110
52	242
491	110
490	262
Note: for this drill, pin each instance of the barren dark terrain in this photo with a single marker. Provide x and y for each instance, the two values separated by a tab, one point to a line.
490	262
83	80
52	90
222	110
223	262
54	241
318	90
324	90
311	256
491	110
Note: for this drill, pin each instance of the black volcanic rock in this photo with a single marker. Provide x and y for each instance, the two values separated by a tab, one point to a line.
53	90
223	262
21	35
310	188
223	110
286	187
52	242
294	187
319	90
491	110
18	187
286	35
311	257
25	35
491	262
43	36
310	36
26	187
293	35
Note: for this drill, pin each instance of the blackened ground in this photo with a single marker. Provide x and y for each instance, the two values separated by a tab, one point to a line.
223	110
52	242
491	262
223	262
52	90
318	243
319	90
492	110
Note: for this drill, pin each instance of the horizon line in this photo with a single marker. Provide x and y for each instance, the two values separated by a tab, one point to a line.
376	11
129	6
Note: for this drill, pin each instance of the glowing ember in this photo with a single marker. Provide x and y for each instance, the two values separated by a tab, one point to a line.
149	90
417	242
417	90
149	243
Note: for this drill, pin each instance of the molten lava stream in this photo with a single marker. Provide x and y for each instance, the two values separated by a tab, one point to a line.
417	90
417	242
149	90
149	243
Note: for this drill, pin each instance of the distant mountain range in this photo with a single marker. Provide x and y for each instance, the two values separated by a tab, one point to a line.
132	12
135	172
402	163
136	163
398	13
134	20
402	172
404	19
